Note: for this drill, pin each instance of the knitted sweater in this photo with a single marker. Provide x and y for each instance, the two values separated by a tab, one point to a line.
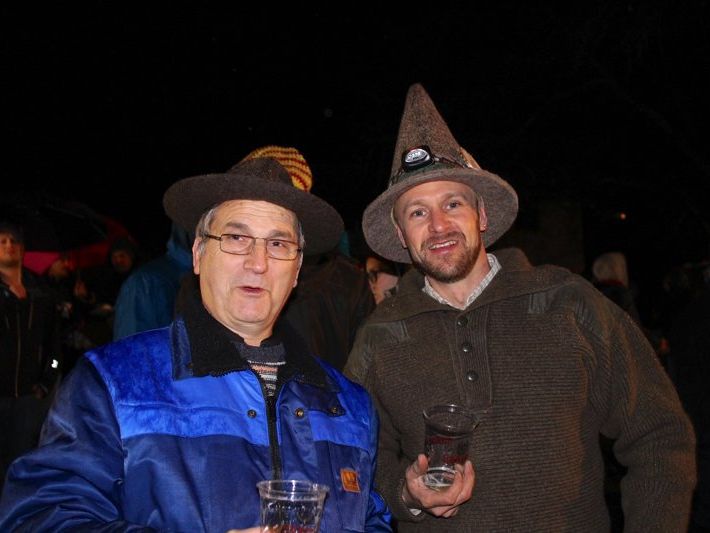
555	364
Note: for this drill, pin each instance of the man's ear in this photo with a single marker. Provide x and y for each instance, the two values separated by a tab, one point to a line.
482	216
298	272
196	256
400	235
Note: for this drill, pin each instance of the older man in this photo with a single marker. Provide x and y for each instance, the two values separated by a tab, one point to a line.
171	429
546	360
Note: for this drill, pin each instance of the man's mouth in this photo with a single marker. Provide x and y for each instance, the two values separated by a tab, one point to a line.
251	290
443	244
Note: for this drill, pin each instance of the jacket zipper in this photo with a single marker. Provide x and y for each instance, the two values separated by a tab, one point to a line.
276	466
273	438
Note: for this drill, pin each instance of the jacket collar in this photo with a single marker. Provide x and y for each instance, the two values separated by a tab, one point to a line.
203	346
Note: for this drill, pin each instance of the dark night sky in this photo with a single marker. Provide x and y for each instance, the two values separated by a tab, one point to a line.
602	105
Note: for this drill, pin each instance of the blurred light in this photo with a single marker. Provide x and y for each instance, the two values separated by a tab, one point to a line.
622	216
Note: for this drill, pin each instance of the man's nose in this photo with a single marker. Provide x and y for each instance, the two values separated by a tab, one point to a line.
257	259
438	220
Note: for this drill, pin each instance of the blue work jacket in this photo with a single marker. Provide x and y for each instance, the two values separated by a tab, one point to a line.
135	440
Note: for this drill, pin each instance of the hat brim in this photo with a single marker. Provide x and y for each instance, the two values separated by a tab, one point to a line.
186	200
500	200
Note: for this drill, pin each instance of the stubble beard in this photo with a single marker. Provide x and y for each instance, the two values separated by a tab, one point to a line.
448	269
11	262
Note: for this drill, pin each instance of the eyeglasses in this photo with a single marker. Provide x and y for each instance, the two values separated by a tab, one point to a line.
235	244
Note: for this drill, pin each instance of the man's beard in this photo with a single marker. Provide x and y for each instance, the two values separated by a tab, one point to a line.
449	269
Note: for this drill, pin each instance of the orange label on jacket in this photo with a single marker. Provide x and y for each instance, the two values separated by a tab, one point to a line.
349	479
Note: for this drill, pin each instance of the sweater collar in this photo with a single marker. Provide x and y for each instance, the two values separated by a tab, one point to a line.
517	277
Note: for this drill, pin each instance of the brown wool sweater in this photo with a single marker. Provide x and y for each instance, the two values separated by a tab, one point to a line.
557	364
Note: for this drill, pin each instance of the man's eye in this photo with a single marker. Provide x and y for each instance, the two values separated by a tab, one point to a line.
277	244
454	204
417	213
234	238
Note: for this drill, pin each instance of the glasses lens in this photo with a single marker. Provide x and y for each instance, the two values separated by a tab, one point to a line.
281	249
243	244
236	244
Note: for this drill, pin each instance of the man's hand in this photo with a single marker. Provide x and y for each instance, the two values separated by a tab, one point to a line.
250	530
445	503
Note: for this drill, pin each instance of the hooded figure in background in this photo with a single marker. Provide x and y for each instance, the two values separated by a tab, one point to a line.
147	299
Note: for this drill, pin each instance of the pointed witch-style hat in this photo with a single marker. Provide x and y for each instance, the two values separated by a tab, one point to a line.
275	174
427	151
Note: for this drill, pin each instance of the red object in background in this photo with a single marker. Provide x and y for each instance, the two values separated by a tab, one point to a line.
52	226
85	256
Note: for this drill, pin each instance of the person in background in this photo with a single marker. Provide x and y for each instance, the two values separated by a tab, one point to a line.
147	297
98	289
105	282
171	429
611	277
382	276
29	350
547	361
329	304
67	290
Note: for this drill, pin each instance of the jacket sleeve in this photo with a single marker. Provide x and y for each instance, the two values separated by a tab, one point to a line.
391	467
360	357
73	480
653	436
378	514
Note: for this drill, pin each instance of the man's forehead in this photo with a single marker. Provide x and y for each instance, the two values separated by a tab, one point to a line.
256	208
430	189
255	211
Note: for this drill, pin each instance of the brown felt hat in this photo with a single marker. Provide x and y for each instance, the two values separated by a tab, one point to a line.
275	174
427	151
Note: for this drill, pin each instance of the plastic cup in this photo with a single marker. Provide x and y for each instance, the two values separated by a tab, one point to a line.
290	505
447	437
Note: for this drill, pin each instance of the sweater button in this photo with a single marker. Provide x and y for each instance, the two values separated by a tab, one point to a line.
466	347
251	413
472	376
461	321
299	412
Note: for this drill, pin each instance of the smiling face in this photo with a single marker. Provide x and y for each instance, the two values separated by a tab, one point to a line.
440	222
247	292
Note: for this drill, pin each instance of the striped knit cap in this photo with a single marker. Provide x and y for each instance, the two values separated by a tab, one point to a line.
289	158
